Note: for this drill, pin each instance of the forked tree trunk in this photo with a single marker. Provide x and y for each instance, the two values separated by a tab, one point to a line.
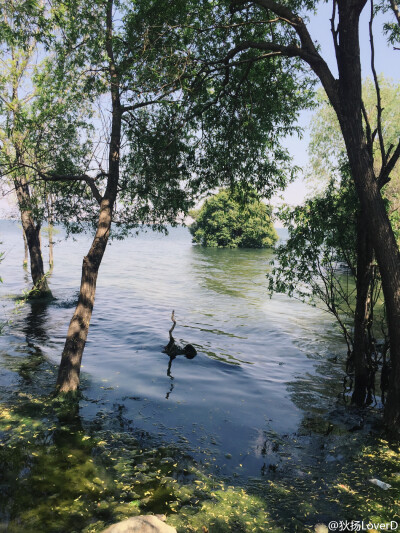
388	258
361	316
346	98
32	234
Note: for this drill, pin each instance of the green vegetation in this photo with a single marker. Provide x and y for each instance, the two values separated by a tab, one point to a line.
225	221
63	472
322	239
325	260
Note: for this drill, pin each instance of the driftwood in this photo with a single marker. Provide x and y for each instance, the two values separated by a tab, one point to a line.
173	349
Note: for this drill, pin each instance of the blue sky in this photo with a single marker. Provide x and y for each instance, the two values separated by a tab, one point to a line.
387	62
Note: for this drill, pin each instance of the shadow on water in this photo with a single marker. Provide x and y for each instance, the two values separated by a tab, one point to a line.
35	323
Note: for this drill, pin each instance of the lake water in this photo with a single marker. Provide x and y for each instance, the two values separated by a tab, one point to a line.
265	368
251	348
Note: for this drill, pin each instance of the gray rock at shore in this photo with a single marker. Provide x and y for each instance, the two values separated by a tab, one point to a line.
140	524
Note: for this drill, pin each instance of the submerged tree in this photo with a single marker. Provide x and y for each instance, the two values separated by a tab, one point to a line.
328	156
289	36
329	231
158	145
36	128
16	59
225	221
319	265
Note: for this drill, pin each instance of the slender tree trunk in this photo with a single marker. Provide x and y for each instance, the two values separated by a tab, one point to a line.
50	218
361	316
388	259
51	243
26	254
69	370
70	366
32	234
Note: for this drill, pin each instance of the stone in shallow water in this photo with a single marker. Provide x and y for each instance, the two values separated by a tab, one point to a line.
141	524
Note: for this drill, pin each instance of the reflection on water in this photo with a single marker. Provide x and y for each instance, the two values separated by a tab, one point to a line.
263	398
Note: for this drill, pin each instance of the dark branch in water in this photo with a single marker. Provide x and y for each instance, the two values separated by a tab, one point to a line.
171	338
172	349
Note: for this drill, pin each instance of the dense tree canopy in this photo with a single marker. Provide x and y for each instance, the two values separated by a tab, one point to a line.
224	221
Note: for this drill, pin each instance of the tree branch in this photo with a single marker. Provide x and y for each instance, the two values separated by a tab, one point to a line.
69	177
377	89
395	9
384	176
370	141
172	328
307	51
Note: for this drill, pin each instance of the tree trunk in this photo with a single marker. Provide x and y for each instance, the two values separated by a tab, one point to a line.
362	370
25	263
51	222
70	366
349	111
69	370
51	243
388	259
32	234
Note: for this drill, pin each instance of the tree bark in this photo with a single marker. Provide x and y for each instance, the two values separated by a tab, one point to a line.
69	370
367	185
26	253
51	226
361	360
32	234
345	95
51	243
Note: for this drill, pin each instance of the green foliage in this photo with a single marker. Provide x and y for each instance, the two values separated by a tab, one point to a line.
328	153
318	261
84	474
223	221
191	127
391	26
41	112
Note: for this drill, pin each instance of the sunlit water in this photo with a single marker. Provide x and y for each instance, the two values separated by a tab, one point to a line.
251	349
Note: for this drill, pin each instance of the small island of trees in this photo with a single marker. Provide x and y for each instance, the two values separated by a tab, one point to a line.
224	221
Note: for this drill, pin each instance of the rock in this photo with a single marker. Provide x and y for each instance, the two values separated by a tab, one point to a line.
140	524
381	484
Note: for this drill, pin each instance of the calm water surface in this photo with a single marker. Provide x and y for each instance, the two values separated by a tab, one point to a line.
261	367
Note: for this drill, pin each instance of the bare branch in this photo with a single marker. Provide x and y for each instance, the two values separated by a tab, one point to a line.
172	328
377	88
334	30
384	176
370	141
